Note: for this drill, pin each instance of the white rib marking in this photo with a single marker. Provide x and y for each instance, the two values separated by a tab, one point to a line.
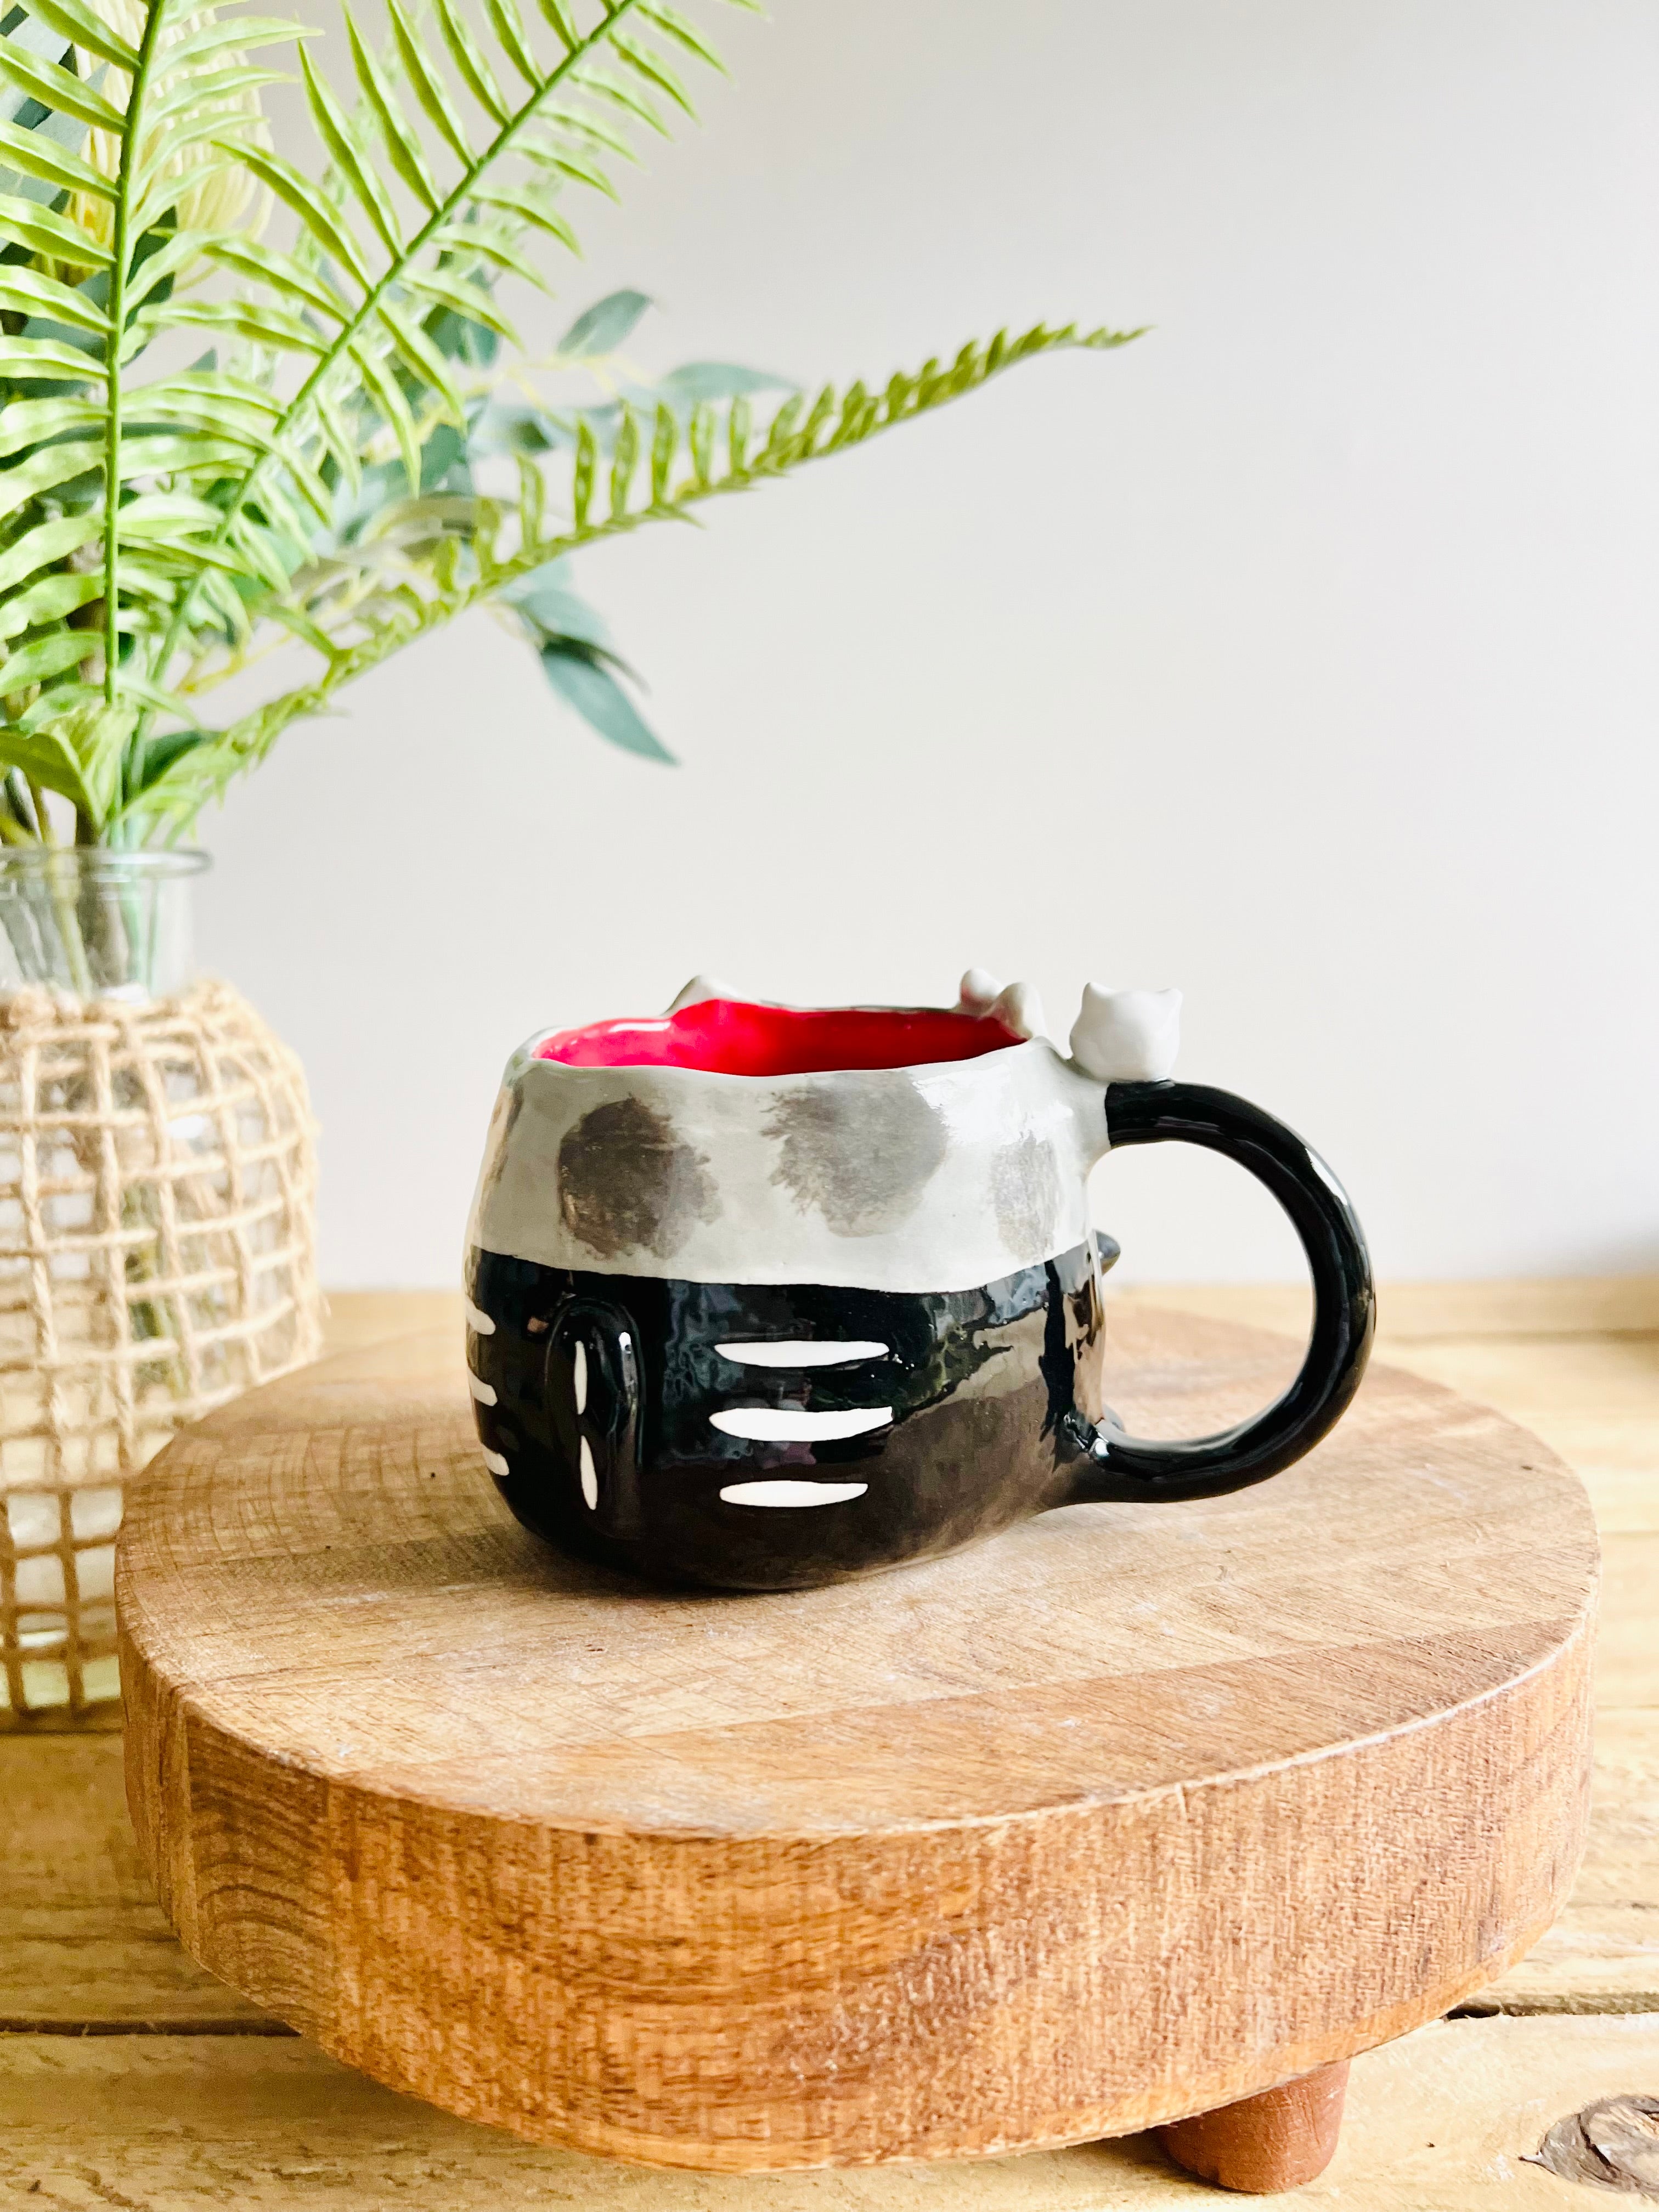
495	1462
579	1374
478	1320
792	1494
778	1425
590	1478
801	1354
482	1391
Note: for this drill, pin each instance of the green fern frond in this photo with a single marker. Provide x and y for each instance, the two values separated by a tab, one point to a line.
372	345
406	600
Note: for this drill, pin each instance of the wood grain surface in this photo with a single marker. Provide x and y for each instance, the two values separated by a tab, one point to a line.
1445	2120
1137	1811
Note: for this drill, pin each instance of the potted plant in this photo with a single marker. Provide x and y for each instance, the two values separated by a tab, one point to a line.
253	412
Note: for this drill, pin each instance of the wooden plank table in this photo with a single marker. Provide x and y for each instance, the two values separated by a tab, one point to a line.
130	2077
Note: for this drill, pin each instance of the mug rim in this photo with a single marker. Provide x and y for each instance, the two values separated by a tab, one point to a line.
996	1047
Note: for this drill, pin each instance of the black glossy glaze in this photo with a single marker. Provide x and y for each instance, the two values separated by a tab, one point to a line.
979	1383
995	1393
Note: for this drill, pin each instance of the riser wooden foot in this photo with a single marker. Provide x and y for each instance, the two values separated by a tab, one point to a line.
1262	2145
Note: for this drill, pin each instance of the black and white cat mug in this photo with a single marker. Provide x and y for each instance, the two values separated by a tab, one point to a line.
765	1297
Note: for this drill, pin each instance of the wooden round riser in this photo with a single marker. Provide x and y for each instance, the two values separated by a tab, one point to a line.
1132	1812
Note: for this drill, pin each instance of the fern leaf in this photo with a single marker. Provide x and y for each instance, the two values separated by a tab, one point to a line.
451	291
529	207
428	85
401	142
319	215
245	318
165	117
736	437
45	469
298	471
55	88
339	441
663	441
358	173
422	359
78	25
26	292
46	544
683	32
508	27
42	230
470	66
49	601
623	455
37	156
563	22
490	247
280	271
620	95
568	162
382	388
650	65
24	361
244	32
211	398
582	479
44	657
592	129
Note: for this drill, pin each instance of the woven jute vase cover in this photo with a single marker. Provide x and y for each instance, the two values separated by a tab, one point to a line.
157	1185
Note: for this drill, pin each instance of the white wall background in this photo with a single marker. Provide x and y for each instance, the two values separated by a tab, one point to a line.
1302	654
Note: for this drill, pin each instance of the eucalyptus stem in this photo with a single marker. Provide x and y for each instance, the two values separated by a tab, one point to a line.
69	929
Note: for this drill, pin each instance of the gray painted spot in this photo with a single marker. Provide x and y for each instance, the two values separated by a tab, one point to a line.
627	1182
1026	1194
862	1152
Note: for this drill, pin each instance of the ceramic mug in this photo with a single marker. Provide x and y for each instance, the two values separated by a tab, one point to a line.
760	1297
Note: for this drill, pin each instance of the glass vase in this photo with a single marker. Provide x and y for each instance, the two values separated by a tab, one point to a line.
98	924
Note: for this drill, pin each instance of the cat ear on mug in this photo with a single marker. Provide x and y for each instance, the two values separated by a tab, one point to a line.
1127	1037
697	990
979	991
1016	1005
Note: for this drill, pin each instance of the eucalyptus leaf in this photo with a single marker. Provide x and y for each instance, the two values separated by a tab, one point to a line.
694	381
459	338
600	328
547	600
516	427
156	757
582	681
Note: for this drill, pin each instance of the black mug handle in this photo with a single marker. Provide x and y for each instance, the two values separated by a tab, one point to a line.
1118	1465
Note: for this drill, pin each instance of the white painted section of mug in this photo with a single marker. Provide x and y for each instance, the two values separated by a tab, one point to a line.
933	1178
